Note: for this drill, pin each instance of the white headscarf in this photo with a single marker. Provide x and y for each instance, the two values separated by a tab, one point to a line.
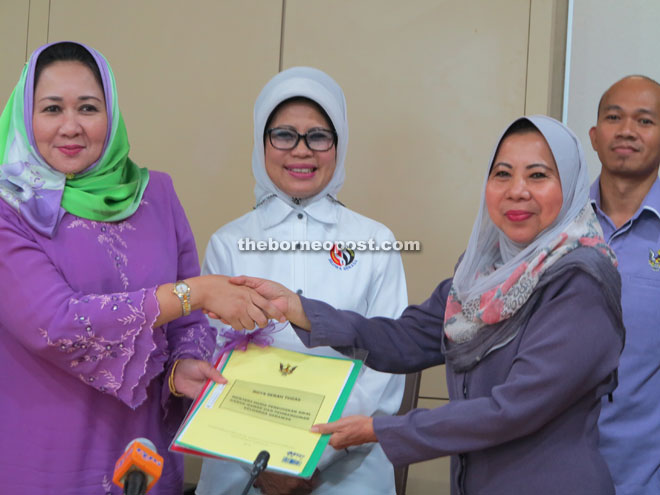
322	89
489	247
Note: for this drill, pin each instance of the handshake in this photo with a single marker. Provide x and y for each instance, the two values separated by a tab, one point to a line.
245	302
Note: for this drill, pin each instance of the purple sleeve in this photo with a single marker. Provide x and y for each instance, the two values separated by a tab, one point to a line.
412	342
106	340
190	336
550	372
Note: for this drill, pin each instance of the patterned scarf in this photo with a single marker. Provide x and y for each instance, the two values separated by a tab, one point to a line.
108	190
464	320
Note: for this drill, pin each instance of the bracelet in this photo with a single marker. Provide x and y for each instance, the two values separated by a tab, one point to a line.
170	382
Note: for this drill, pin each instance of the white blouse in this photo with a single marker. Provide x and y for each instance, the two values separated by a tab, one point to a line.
371	283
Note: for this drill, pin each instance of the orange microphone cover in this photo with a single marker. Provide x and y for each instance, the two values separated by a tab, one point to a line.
140	455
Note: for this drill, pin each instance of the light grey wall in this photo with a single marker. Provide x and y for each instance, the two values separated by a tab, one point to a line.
610	39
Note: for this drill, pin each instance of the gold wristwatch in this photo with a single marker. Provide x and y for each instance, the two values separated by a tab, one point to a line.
182	291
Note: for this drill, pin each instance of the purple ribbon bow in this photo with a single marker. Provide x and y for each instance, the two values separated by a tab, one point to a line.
239	339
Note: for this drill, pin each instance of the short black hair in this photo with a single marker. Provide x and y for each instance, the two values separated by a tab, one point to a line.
66	51
520	126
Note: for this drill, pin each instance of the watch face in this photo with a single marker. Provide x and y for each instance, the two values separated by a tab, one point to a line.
181	287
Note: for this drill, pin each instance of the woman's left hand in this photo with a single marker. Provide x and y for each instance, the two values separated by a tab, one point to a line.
190	376
348	431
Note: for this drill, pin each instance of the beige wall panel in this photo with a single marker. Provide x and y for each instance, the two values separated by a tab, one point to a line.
429	86
188	74
14	15
38	24
609	40
547	49
430	477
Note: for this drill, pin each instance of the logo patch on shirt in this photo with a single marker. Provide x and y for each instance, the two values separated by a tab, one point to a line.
654	259
342	259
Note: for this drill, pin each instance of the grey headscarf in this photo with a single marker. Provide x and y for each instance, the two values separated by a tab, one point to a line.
574	241
489	246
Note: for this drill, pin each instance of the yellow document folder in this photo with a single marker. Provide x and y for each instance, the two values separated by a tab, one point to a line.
271	399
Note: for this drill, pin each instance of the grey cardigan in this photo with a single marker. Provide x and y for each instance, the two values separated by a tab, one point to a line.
523	420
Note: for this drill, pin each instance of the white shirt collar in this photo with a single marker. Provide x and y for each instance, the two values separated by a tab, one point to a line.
273	211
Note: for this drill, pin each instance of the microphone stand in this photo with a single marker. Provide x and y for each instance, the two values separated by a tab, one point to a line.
135	484
258	466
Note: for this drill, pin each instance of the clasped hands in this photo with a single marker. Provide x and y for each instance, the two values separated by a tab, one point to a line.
242	302
267	300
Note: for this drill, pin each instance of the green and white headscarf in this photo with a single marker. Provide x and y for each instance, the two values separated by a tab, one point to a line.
108	190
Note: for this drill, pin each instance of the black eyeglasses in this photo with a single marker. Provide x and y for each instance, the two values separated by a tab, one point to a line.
284	138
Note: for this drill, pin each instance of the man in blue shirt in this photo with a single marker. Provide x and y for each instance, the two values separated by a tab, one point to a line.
626	198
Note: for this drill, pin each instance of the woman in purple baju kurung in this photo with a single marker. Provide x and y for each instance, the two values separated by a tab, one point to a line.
529	328
91	325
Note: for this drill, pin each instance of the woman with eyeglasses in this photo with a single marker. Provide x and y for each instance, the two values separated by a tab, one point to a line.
300	143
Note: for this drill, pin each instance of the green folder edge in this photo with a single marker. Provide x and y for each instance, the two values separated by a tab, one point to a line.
314	458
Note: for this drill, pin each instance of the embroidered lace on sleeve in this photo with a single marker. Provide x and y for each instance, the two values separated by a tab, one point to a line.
113	346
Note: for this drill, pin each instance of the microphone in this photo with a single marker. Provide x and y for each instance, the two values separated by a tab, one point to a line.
258	466
139	467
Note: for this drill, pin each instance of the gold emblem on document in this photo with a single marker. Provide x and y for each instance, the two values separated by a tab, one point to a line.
286	370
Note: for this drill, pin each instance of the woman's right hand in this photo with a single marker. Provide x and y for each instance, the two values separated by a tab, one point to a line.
285	301
236	305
